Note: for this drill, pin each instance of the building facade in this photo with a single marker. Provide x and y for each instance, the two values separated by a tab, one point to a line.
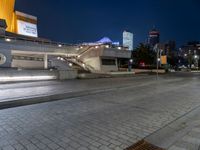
128	38
154	37
17	22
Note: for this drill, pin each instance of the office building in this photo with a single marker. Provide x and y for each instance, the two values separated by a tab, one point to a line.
154	37
128	40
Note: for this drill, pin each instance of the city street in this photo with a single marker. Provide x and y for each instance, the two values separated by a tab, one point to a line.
126	111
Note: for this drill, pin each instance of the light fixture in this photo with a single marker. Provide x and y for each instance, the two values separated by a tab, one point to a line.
119	48
96	47
83	65
78	56
59	45
8	40
159	59
25	78
62	59
70	64
107	46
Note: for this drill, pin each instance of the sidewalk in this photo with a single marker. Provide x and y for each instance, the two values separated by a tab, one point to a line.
181	134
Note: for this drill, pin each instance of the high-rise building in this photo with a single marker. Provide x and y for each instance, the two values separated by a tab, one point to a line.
128	40
154	37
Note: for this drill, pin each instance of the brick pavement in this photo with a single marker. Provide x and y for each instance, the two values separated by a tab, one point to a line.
112	120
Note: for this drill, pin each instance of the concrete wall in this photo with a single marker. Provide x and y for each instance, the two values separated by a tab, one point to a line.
110	52
107	52
28	64
106	68
109	68
96	63
11	75
69	74
35	47
7	54
93	62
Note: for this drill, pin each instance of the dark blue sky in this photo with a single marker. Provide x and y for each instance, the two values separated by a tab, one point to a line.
74	21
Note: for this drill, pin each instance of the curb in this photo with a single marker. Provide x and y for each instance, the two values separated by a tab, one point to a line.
16	102
47	98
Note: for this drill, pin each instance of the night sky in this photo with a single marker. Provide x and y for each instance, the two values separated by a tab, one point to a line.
75	21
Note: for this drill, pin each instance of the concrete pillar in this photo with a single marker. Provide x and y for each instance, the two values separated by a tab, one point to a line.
45	61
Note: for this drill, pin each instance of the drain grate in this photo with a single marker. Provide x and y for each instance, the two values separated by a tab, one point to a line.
143	145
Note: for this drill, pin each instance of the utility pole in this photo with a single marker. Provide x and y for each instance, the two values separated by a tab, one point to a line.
157	59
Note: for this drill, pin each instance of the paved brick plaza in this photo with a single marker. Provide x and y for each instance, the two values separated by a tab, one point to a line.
112	120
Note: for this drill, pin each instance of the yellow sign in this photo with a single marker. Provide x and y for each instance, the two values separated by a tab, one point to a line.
7	12
164	60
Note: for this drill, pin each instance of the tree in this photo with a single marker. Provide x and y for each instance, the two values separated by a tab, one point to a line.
144	54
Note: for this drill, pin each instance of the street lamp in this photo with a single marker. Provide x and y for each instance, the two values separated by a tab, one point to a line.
156	49
130	65
196	57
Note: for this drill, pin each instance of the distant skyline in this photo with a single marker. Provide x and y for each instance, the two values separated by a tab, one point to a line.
75	21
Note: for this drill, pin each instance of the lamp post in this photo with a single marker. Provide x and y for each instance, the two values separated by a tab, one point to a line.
190	59
196	57
157	59
130	65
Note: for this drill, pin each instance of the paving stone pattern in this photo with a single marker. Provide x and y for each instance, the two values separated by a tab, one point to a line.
111	120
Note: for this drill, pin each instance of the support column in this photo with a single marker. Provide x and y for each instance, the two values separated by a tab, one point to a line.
45	61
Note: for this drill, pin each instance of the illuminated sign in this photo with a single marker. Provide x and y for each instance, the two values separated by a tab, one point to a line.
2	59
26	28
164	60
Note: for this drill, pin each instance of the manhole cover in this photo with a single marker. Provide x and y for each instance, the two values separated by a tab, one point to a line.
143	145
